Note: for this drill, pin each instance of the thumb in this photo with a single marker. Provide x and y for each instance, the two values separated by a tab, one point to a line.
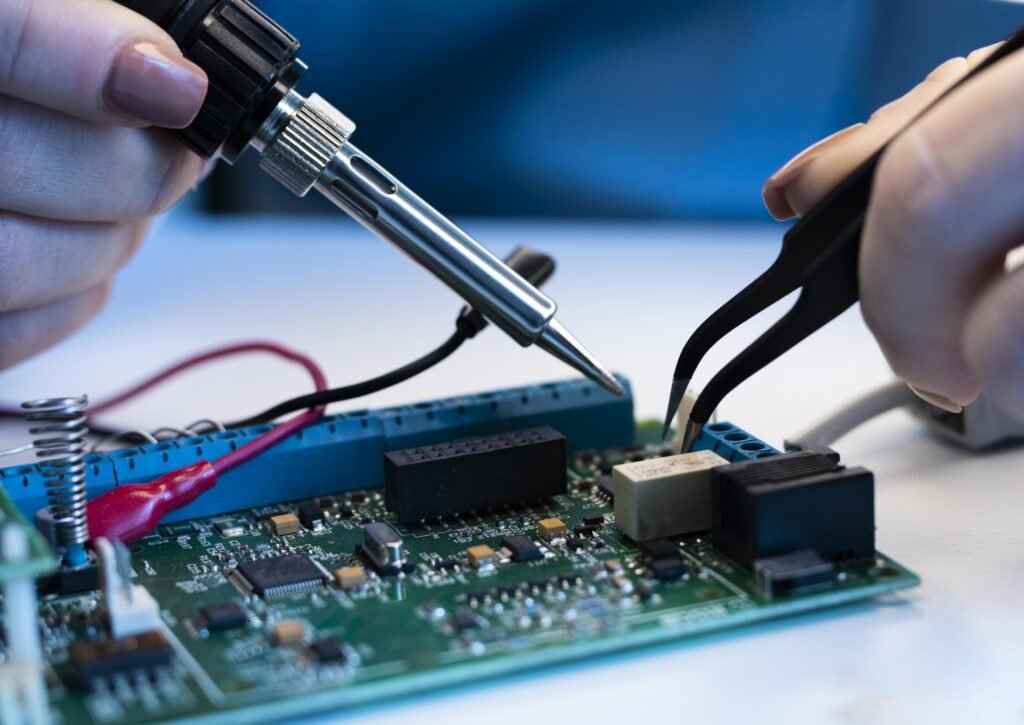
98	61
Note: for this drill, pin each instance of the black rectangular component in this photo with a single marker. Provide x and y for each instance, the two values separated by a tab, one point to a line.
311	516
144	653
223	616
659	548
279	576
464	619
669	568
71	580
593	520
664	560
801	571
327	651
574	544
806	500
473	474
522	548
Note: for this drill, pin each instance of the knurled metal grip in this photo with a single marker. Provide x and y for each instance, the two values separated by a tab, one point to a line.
306	143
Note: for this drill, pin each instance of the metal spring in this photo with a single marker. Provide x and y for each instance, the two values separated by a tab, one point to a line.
57	426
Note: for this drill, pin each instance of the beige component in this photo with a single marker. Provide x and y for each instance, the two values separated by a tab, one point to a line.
350	577
289	631
284	524
549	529
664	496
479	555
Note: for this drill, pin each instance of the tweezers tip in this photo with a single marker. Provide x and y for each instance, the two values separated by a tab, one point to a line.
675	397
691	433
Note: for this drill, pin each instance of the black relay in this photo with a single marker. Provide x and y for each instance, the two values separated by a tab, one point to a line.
787	503
474	474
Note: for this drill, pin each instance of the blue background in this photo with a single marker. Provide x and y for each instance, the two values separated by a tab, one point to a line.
587	108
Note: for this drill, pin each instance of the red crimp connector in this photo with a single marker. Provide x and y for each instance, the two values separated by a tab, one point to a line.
131	511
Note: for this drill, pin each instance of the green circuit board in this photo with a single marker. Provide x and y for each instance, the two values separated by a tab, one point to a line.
442	623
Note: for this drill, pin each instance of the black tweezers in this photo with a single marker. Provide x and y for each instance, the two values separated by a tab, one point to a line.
819	256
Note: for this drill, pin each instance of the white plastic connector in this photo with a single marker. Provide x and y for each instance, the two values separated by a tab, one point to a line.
131	609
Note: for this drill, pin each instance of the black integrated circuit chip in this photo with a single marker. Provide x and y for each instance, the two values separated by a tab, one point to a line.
522	548
143	654
327	651
311	516
664	560
574	544
279	576
223	616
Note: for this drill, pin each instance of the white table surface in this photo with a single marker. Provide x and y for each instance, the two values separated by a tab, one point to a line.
949	651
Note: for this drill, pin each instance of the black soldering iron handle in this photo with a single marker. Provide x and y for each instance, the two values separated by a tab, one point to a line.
838	220
251	61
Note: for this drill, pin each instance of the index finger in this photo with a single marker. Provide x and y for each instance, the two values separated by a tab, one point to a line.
98	61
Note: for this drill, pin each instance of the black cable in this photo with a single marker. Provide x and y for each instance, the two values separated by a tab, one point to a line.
357	390
535	267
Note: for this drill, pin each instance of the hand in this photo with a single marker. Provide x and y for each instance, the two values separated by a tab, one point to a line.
80	174
947	207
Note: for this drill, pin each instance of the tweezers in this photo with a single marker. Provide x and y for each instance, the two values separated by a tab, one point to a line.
819	257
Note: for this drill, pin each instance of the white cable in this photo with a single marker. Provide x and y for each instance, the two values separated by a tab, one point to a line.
19	449
838	423
209	423
123	435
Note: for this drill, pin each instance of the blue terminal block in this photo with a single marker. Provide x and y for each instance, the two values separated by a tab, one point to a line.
732	443
345	452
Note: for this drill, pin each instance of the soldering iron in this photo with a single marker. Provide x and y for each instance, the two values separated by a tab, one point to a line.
253	67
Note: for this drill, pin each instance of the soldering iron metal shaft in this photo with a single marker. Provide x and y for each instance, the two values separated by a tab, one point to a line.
305	145
252	64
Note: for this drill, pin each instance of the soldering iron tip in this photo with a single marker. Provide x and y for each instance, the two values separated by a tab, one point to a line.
691	433
559	342
675	397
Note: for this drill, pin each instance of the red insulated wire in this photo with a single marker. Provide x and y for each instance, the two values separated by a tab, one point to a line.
193	361
276	434
268	440
130	512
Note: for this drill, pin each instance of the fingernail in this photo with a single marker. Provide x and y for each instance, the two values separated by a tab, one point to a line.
774	190
155	85
939	401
